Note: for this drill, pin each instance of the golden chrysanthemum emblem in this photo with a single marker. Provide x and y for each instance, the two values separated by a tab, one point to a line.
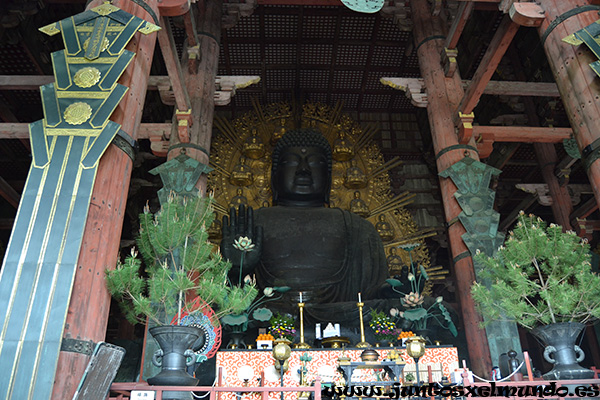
78	113
87	77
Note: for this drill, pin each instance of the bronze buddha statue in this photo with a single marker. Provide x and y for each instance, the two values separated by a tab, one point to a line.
329	254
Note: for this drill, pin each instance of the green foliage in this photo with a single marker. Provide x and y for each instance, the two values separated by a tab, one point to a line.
541	275
179	262
415	302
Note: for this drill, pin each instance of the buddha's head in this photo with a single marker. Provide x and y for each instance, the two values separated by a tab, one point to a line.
301	170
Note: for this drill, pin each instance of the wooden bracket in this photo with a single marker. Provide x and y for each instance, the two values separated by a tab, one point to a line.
173	8
184	123
465	127
449	61
414	89
485	145
159	146
167	96
194	57
585	229
232	12
227	85
527	14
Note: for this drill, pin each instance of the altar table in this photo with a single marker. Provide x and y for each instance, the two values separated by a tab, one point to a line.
324	363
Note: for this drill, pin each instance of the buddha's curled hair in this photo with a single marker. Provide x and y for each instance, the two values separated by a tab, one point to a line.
307	137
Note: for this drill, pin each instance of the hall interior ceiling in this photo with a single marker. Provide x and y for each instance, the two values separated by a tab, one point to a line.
315	52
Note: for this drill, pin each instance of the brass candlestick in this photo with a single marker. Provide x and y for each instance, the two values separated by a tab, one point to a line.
302	345
363	342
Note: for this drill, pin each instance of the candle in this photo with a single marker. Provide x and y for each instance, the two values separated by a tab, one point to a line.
359	298
300	297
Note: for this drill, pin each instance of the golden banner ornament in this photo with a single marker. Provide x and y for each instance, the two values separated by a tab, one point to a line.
105	44
87	77
78	113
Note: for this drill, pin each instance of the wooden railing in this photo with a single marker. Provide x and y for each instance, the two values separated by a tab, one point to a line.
518	383
122	390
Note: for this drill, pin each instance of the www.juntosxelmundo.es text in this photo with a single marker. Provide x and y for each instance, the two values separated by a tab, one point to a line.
492	390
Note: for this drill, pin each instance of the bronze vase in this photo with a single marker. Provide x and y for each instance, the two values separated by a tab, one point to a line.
175	354
561	350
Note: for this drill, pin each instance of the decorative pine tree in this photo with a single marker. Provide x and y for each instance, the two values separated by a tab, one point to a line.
541	275
180	263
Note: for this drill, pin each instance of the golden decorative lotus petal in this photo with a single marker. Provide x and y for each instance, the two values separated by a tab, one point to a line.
87	77
78	113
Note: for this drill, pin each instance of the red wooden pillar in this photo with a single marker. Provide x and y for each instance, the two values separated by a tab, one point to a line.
442	104
200	85
577	83
88	310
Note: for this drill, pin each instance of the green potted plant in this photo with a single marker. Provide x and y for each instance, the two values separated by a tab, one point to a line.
238	323
420	310
183	276
541	278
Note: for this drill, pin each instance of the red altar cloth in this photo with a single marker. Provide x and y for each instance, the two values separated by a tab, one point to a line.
324	363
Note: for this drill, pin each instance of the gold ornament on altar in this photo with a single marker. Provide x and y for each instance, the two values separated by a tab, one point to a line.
87	77
78	113
241	158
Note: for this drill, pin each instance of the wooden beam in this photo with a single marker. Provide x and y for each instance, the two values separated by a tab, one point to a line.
584	210
9	193
527	202
517	88
500	88
464	12
500	42
33	82
146	131
523	134
169	53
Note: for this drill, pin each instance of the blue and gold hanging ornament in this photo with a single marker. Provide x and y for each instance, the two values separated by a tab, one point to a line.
42	255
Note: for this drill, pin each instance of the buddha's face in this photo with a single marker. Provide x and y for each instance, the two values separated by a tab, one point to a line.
302	176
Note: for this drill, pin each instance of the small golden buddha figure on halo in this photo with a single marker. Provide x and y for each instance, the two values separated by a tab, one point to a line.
254	147
262	183
238	199
279	131
241	174
358	205
215	230
394	261
342	148
355	178
385	230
